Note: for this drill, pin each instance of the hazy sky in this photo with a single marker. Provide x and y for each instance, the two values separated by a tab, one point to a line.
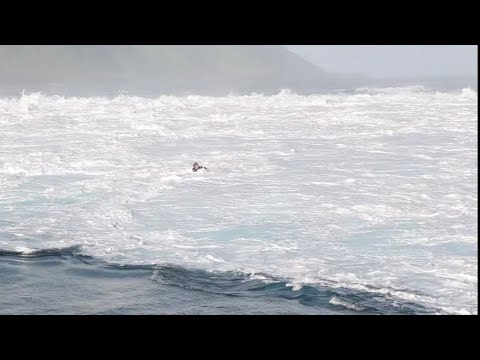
393	60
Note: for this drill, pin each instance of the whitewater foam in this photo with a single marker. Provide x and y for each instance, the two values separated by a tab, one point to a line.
373	190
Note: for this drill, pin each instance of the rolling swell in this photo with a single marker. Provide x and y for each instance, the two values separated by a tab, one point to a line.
63	280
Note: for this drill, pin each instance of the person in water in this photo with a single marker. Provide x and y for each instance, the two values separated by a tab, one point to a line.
197	167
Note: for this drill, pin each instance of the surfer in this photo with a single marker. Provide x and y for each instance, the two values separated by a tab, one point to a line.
197	167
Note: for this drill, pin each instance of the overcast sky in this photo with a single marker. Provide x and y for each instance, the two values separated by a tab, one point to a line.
393	60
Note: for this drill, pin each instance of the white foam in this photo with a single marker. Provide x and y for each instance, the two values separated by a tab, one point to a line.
24	250
375	191
339	302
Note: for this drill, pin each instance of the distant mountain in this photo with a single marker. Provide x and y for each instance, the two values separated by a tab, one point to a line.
203	69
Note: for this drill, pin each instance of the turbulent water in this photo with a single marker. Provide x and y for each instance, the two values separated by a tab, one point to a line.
362	202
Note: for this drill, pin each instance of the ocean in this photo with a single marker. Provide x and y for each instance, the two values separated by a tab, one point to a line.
358	202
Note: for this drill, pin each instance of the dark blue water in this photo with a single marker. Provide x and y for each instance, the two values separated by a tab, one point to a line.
63	281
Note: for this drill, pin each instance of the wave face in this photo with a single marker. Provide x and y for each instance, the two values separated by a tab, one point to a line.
353	201
63	281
